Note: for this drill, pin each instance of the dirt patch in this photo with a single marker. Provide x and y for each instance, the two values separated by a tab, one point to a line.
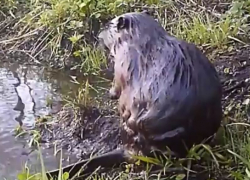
234	72
84	132
221	6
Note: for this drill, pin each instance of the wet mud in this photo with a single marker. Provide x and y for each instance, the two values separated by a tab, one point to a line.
234	71
96	133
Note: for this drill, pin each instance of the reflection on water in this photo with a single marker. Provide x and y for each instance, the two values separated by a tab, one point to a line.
24	91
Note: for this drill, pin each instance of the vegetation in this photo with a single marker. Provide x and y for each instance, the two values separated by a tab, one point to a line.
67	28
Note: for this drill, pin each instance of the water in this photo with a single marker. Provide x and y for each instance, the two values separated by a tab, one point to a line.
24	91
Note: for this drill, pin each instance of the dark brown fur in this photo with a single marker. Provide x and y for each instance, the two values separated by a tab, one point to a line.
168	90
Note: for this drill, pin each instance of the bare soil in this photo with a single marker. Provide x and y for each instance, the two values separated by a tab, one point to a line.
234	71
92	131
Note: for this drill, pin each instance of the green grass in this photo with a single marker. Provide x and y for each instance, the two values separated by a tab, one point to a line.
207	29
26	175
64	21
81	98
80	101
94	59
202	31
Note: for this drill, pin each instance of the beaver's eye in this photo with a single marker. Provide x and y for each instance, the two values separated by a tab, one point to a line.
123	23
107	25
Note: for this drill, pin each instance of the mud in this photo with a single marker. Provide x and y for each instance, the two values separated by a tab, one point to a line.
95	133
234	71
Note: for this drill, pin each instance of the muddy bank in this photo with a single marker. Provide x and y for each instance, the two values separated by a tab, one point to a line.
234	71
91	131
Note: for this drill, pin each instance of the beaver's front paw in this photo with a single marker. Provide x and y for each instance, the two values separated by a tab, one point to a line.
129	131
113	94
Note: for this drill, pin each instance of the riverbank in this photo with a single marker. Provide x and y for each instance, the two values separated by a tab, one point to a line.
61	34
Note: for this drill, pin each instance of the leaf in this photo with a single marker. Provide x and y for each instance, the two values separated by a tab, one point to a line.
75	38
245	161
22	176
211	153
20	134
148	159
138	163
82	5
247	172
77	53
220	156
65	176
97	15
236	7
180	176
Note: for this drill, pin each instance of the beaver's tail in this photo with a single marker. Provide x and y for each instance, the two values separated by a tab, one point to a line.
107	160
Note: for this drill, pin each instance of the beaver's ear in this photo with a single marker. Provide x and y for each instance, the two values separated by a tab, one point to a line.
148	12
123	23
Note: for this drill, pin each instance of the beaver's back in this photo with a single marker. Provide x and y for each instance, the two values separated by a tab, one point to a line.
181	89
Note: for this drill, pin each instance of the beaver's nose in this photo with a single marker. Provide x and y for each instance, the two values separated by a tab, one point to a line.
100	38
100	42
100	34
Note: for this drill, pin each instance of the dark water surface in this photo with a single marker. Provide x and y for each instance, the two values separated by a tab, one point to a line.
24	91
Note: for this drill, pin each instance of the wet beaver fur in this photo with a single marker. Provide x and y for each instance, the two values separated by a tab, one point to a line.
169	93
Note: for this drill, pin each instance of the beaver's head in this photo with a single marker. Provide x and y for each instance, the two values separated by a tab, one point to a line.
110	33
132	26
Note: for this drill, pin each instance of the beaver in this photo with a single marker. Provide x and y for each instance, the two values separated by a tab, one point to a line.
169	93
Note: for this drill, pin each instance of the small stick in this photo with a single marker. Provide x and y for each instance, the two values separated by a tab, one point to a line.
107	160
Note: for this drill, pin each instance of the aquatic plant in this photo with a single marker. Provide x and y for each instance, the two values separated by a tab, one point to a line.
26	175
80	98
34	136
